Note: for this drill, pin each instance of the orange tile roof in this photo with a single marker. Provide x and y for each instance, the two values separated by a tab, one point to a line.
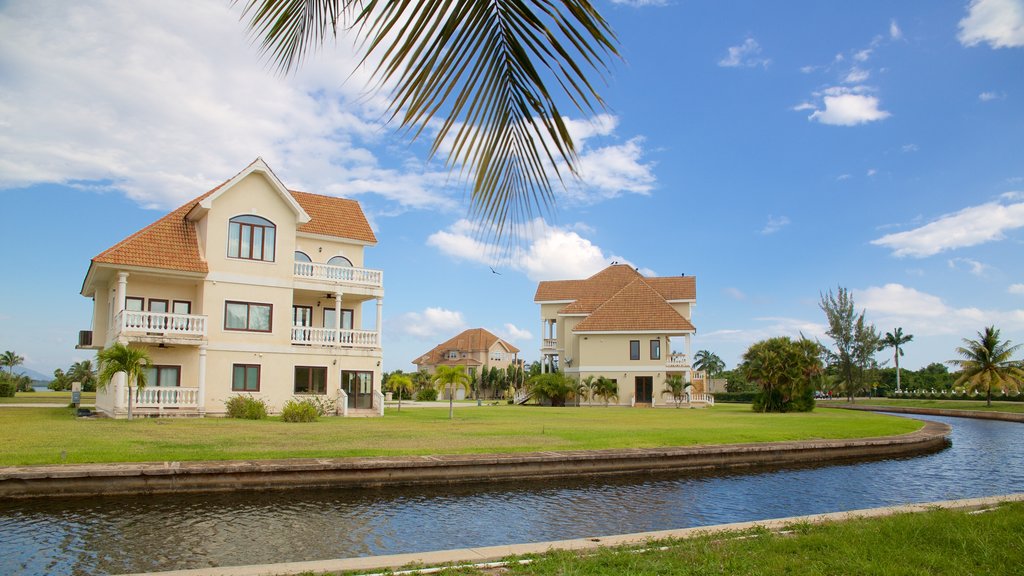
472	340
606	292
170	243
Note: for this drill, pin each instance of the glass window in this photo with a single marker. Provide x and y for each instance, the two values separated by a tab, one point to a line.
346	318
634	349
133	304
301	257
245	378
163	376
311	380
248	316
251	238
656	349
340	261
182	307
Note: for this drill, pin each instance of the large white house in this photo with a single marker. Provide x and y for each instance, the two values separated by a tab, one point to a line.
251	288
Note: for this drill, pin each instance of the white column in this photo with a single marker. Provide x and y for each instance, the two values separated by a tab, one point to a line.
119	394
120	294
380	319
337	317
689	359
202	380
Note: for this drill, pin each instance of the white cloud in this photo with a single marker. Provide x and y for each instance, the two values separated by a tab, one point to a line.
513	333
975	267
1016	289
430	323
545	252
1000	23
856	76
894	31
848	107
924	314
775	223
909	148
968	227
990	96
746	55
862	55
735	293
772	326
842	177
871	172
610	171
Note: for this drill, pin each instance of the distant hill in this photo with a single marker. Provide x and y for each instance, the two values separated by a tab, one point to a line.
33	374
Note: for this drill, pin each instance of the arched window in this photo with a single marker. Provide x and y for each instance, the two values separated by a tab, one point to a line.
340	261
301	257
251	238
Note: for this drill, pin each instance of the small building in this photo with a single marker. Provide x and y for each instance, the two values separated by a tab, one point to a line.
250	288
621	325
477	349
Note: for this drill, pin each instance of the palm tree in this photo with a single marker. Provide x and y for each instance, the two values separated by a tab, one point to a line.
450	377
589	384
85	373
675	387
606	389
895	340
401	384
480	68
987	363
121	358
709	363
10	359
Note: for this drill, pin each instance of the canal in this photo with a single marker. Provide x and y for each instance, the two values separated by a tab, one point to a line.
119	535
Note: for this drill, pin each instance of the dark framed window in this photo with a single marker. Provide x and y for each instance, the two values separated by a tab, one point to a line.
181	307
251	238
163	375
634	349
134	304
346	318
656	349
248	316
245	378
311	380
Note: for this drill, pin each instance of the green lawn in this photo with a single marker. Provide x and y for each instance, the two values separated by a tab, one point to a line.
938	542
47	398
40	435
1016	407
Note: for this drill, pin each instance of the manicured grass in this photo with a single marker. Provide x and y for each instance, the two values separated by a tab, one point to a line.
47	398
1016	407
39	435
930	543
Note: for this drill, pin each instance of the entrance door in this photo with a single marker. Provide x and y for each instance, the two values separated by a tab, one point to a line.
359	387
644	389
302	320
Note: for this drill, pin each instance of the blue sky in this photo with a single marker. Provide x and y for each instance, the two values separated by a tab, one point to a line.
773	150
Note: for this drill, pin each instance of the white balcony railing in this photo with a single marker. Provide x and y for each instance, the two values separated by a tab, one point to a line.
677	360
335	274
332	337
160	323
165	397
550	343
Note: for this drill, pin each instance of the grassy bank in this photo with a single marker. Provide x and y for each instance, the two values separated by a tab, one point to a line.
47	398
1013	407
41	435
929	543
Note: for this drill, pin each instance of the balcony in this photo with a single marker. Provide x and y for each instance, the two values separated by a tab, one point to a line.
677	360
331	274
309	336
160	327
549	344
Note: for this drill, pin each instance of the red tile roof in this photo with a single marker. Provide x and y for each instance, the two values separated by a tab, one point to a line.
472	340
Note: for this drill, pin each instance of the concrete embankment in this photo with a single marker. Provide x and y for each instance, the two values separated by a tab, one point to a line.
493	556
182	477
979	414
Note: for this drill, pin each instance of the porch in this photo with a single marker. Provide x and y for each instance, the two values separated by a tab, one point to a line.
310	336
160	327
333	275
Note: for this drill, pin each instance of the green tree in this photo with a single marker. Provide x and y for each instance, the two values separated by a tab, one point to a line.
854	341
708	362
895	340
735	381
423	379
988	363
785	370
401	384
553	386
475	73
60	381
676	388
934	376
134	362
606	389
588	384
450	378
85	373
10	359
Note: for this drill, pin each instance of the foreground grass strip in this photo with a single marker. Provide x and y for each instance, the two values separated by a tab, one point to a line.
979	405
939	542
55	436
47	398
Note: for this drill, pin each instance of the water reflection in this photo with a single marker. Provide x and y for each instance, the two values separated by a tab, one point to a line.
117	535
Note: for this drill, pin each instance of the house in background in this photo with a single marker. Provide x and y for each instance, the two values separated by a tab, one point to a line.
477	349
250	288
621	325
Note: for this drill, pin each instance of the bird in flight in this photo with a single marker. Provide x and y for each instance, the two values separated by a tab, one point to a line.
495	271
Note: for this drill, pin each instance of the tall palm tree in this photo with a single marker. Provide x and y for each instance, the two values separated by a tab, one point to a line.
895	340
480	68
588	384
451	377
709	363
10	359
676	388
121	358
85	373
987	363
401	384
606	389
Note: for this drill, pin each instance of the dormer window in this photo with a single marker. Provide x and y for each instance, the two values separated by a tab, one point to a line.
251	238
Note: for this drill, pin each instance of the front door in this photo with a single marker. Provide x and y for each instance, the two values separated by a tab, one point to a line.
644	389
359	387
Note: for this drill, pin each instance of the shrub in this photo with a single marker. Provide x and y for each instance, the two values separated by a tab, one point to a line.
737	397
426	395
306	410
246	407
6	388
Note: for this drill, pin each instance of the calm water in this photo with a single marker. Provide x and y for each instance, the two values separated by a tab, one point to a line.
118	535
